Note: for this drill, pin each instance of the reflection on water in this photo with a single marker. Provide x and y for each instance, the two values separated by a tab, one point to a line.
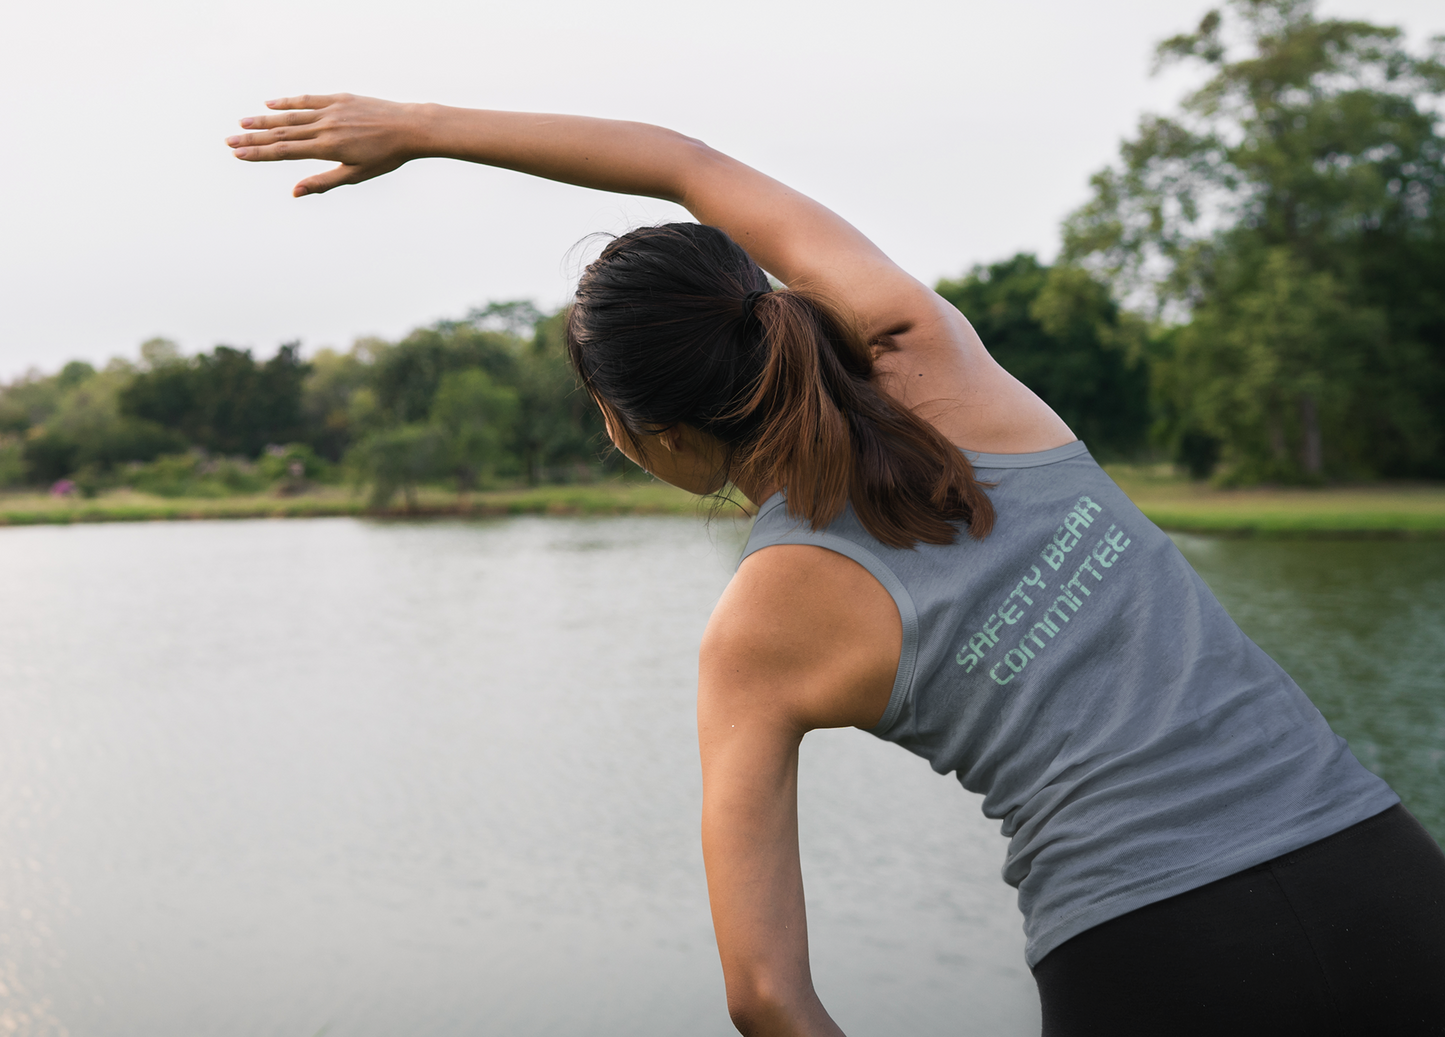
272	778
1361	626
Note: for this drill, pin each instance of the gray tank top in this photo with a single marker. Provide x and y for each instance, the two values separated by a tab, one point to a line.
1074	669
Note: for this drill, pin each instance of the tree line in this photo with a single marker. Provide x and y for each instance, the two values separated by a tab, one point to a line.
467	402
1255	290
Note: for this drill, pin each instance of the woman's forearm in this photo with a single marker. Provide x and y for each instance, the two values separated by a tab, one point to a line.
370	137
606	154
788	234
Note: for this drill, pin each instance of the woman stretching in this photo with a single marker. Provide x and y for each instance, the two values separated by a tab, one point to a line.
937	560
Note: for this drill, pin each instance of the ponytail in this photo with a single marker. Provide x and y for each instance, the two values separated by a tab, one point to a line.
829	435
674	325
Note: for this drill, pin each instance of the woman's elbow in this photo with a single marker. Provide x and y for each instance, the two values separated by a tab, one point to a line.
760	1007
699	169
753	1016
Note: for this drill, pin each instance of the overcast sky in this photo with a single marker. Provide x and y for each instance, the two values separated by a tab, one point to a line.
950	132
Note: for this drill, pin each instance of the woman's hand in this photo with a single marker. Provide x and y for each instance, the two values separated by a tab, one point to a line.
367	136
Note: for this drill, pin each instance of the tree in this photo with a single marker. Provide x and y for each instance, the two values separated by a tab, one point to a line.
28	401
399	458
474	417
405	376
557	420
159	352
1267	366
491	395
1058	331
517	318
12	460
1292	209
556	423
224	401
85	427
329	412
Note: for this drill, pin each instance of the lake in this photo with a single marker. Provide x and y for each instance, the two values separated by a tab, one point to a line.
355	778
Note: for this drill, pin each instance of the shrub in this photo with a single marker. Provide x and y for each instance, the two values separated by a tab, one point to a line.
195	475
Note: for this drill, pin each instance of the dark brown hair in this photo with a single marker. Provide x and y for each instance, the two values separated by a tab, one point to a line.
673	325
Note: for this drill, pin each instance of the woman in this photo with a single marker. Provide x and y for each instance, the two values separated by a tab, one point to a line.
938	560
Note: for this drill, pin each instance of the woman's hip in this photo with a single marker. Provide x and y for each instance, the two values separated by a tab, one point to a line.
1343	936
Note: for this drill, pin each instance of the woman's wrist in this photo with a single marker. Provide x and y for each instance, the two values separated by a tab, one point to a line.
424	133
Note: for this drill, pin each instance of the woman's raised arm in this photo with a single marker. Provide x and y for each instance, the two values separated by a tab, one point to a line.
796	239
930	359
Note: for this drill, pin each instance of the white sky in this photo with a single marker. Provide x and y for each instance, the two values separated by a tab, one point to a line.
951	132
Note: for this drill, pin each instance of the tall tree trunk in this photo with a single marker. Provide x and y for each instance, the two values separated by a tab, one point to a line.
1312	449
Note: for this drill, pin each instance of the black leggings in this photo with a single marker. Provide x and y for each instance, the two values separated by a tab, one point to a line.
1345	936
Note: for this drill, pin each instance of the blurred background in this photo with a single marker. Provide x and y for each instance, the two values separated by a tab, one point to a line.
1228	264
425	765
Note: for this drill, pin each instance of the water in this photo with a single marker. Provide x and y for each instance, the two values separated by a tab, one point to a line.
292	777
278	777
1361	626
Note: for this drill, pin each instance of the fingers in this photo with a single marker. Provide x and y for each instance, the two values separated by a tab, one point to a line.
253	140
293	111
267	122
323	182
305	101
301	128
276	152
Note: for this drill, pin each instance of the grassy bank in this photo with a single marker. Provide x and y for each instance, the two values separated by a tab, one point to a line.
1174	503
1381	510
604	498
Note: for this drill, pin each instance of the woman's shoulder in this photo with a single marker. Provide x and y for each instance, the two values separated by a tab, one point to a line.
937	366
805	630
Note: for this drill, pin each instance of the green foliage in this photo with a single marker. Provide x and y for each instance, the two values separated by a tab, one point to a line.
292	469
1269	367
465	438
195	475
331	412
496	399
159	352
12	461
293	461
474	417
1290	217
1060	333
73	373
405	376
557	421
223	401
399	459
28	401
77	423
517	318
465	401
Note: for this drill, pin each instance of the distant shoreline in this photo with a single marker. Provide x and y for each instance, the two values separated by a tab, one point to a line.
1396	511
1383	511
614	497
